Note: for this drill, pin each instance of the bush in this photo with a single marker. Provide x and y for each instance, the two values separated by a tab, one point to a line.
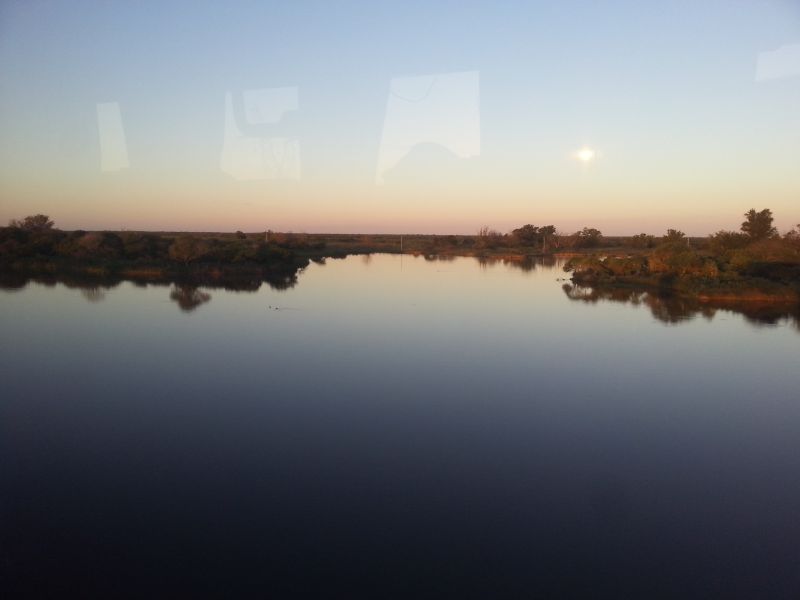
643	240
188	248
723	242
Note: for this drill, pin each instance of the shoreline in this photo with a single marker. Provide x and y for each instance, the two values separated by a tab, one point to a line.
740	290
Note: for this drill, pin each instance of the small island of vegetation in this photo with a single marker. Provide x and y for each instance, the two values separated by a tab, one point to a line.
754	264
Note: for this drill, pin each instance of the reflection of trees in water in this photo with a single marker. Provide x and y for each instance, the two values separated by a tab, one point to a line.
526	264
282	281
674	309
188	297
93	286
671	308
765	315
93	294
485	262
12	281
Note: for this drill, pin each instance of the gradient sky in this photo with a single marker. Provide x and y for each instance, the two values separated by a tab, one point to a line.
413	116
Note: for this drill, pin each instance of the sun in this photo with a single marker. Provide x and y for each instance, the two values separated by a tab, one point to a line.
585	154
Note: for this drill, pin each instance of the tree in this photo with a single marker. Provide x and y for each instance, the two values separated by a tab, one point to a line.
588	237
33	223
187	248
547	233
488	238
758	225
526	235
726	241
674	236
643	240
94	245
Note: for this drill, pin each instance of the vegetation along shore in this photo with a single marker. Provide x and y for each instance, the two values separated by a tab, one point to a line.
755	264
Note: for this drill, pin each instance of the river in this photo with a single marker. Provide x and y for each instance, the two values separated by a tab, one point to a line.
393	426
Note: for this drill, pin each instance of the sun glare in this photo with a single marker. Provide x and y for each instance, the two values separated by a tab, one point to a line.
585	154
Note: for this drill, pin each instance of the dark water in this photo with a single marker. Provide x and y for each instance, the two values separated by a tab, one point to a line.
424	429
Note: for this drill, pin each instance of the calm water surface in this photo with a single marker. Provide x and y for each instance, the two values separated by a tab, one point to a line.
395	428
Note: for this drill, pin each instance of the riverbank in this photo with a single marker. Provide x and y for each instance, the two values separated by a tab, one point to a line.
208	257
758	283
242	277
726	265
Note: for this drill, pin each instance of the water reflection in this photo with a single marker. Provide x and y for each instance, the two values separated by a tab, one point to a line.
93	293
523	263
12	281
526	264
670	308
373	419
184	288
188	297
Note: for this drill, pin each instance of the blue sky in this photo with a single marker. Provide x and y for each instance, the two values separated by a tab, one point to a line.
665	93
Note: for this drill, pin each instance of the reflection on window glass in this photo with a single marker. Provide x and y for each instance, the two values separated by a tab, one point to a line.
113	148
780	63
259	142
436	117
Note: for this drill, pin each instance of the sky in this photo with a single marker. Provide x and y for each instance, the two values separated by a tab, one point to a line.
429	117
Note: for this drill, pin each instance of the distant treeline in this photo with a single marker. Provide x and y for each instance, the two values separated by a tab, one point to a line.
542	239
36	237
